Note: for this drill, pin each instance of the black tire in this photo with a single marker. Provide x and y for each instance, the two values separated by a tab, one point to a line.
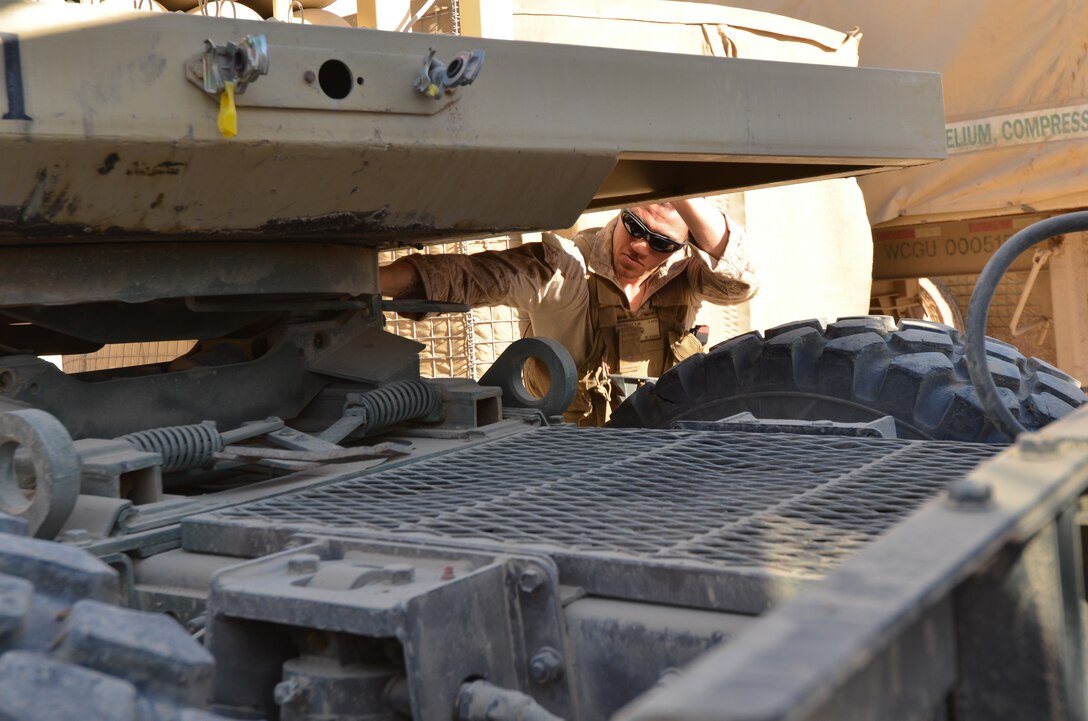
69	653
854	370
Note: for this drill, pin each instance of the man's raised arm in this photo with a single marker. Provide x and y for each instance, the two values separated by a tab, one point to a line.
708	227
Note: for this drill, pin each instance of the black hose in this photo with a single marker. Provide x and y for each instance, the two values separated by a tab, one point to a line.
979	310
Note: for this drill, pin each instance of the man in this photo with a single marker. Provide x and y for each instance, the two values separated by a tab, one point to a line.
622	299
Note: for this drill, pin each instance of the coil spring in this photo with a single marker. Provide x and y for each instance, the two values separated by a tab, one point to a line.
396	402
181	447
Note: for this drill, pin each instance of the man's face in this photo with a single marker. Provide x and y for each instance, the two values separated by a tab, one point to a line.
633	257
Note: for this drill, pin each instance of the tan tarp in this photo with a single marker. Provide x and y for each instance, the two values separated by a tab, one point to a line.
1015	77
681	27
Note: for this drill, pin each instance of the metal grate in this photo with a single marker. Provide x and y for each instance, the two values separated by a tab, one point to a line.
799	504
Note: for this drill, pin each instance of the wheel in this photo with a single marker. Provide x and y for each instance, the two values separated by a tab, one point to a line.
69	653
854	370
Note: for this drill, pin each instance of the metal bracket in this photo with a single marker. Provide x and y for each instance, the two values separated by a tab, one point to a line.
883	427
240	63
509	629
505	373
1038	260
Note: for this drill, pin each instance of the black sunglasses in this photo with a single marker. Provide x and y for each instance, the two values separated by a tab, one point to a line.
656	241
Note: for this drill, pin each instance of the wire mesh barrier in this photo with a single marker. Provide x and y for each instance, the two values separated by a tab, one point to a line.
794	504
122	355
459	345
1037	342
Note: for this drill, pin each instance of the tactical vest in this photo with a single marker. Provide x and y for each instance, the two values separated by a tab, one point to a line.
644	344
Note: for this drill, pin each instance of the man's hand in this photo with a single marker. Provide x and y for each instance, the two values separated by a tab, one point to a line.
400	280
708	226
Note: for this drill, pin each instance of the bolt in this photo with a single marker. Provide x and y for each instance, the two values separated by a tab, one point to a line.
530	581
289	692
546	666
966	492
303	563
309	76
400	573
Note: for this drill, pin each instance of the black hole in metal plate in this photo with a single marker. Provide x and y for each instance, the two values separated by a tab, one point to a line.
358	81
335	79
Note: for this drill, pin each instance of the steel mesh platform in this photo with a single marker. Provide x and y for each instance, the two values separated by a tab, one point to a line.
791	504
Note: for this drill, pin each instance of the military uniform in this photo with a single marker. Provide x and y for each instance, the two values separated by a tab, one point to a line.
568	290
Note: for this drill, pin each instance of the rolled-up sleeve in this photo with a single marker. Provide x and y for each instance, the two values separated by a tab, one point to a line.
729	279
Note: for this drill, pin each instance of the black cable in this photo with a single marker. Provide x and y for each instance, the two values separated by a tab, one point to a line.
979	310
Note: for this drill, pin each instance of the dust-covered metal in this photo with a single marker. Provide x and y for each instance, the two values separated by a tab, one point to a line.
132	150
974	606
622	510
344	593
562	375
43	490
880	428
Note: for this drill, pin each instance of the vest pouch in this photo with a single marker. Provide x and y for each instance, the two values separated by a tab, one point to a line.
640	347
592	404
687	346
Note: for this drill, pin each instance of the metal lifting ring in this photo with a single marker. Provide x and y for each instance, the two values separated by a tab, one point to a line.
56	470
506	374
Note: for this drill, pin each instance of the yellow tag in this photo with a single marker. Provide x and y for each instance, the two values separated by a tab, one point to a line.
228	114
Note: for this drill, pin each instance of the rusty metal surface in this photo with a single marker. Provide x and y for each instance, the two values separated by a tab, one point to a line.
121	143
